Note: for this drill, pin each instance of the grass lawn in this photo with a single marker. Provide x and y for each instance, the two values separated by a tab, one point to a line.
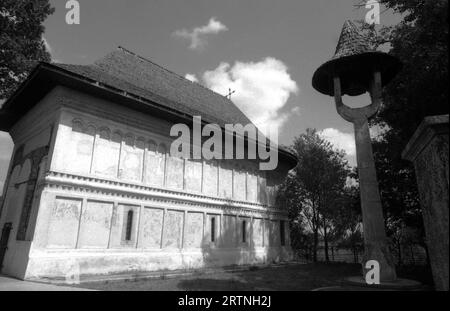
291	277
300	277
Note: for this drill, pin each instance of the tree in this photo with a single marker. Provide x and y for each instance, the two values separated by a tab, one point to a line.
420	41
21	43
312	189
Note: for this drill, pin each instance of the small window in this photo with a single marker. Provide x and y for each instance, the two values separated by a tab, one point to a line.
244	232
213	229
129	225
282	233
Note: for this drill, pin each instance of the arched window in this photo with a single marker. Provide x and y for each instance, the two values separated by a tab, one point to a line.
244	232
129	225
213	229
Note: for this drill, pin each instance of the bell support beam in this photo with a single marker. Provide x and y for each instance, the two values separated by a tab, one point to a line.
375	241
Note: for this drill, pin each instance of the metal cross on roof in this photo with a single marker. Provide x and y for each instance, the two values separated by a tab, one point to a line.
230	93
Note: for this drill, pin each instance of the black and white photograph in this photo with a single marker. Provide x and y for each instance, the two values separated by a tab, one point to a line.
229	154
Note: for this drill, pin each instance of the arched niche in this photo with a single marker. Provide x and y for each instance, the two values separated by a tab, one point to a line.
131	159
25	172
78	149
77	125
155	164
107	152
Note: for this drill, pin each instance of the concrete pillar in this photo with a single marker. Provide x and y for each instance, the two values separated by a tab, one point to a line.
428	150
375	240
376	246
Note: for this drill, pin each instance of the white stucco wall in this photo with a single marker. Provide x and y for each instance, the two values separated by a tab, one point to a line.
105	160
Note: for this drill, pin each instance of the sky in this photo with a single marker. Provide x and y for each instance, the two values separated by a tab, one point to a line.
265	51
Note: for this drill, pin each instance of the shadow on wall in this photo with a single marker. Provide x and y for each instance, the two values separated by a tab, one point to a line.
228	242
233	240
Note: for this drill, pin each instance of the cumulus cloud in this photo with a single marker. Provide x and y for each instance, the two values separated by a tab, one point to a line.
191	77
261	89
340	140
198	35
296	111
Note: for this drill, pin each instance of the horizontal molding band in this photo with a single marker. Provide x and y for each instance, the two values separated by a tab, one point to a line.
98	185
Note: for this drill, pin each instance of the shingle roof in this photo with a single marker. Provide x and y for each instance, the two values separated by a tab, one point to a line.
143	81
354	61
136	75
351	42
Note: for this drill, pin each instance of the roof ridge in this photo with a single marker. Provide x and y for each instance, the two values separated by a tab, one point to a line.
172	72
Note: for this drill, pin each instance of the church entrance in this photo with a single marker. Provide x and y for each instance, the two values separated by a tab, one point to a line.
4	242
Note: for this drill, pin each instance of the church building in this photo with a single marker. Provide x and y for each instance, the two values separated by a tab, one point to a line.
92	188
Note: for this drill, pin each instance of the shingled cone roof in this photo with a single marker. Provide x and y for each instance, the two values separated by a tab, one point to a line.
136	75
351	42
354	62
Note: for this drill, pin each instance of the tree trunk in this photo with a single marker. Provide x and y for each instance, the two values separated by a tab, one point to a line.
411	248
315	228
316	242
399	248
325	240
427	255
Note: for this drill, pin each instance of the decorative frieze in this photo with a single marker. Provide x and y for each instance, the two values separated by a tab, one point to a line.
92	186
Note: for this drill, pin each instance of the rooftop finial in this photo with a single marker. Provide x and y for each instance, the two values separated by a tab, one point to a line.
230	93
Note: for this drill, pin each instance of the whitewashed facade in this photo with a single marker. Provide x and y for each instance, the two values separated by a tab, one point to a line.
108	198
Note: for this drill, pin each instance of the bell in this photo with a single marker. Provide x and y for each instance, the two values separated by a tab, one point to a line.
354	62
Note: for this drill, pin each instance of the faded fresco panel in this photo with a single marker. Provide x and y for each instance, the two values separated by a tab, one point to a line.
229	231
262	191
257	232
239	191
274	233
106	153
210	178
225	182
193	175
208	231
244	231
79	149
194	230
95	225
173	229
131	159
155	165
151	228
64	220
252	187
266	224
271	195
119	238
175	168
